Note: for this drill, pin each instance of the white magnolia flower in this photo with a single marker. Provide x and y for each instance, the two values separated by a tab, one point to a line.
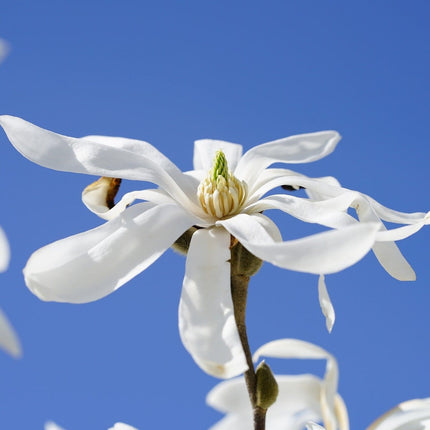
301	398
50	425
409	415
222	200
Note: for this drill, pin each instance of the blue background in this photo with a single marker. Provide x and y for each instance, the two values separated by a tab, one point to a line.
170	72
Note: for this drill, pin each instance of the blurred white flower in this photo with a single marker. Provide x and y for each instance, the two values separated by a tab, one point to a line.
222	200
301	398
409	415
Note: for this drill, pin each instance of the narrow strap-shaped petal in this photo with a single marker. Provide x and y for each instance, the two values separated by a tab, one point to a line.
93	264
387	253
4	251
410	415
9	340
322	253
325	303
4	49
205	149
302	148
330	213
294	348
206	319
111	156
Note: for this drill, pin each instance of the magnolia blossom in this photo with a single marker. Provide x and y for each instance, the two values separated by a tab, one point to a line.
223	198
50	425
301	398
409	415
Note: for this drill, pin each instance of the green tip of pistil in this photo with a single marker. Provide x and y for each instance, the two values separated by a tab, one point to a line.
220	167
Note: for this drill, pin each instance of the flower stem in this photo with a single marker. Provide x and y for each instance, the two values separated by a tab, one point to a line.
239	293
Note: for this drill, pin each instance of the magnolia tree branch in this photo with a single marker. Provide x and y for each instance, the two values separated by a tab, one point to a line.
243	266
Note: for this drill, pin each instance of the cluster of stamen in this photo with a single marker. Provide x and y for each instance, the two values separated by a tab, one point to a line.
220	193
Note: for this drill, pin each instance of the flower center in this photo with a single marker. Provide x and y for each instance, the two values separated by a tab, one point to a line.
220	193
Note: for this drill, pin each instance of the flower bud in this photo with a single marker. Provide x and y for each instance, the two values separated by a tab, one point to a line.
266	386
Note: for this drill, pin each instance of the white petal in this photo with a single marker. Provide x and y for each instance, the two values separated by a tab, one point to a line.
313	426
330	213
387	253
325	303
302	148
204	153
98	155
230	397
410	415
94	198
294	348
122	426
8	338
4	251
206	319
90	265
322	253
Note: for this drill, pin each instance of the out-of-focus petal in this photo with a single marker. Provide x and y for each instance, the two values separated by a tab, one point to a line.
93	264
100	155
302	148
205	149
50	425
206	319
325	303
122	426
294	348
4	251
9	340
322	253
410	415
4	49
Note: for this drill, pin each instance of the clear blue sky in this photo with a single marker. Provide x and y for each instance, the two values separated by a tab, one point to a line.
170	72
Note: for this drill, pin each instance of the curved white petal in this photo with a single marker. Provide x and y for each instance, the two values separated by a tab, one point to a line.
410	415
387	253
101	156
9	340
122	426
294	348
302	148
330	213
94	198
206	319
204	153
325	303
4	251
322	253
90	265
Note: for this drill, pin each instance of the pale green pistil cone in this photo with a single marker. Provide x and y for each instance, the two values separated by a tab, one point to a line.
220	193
